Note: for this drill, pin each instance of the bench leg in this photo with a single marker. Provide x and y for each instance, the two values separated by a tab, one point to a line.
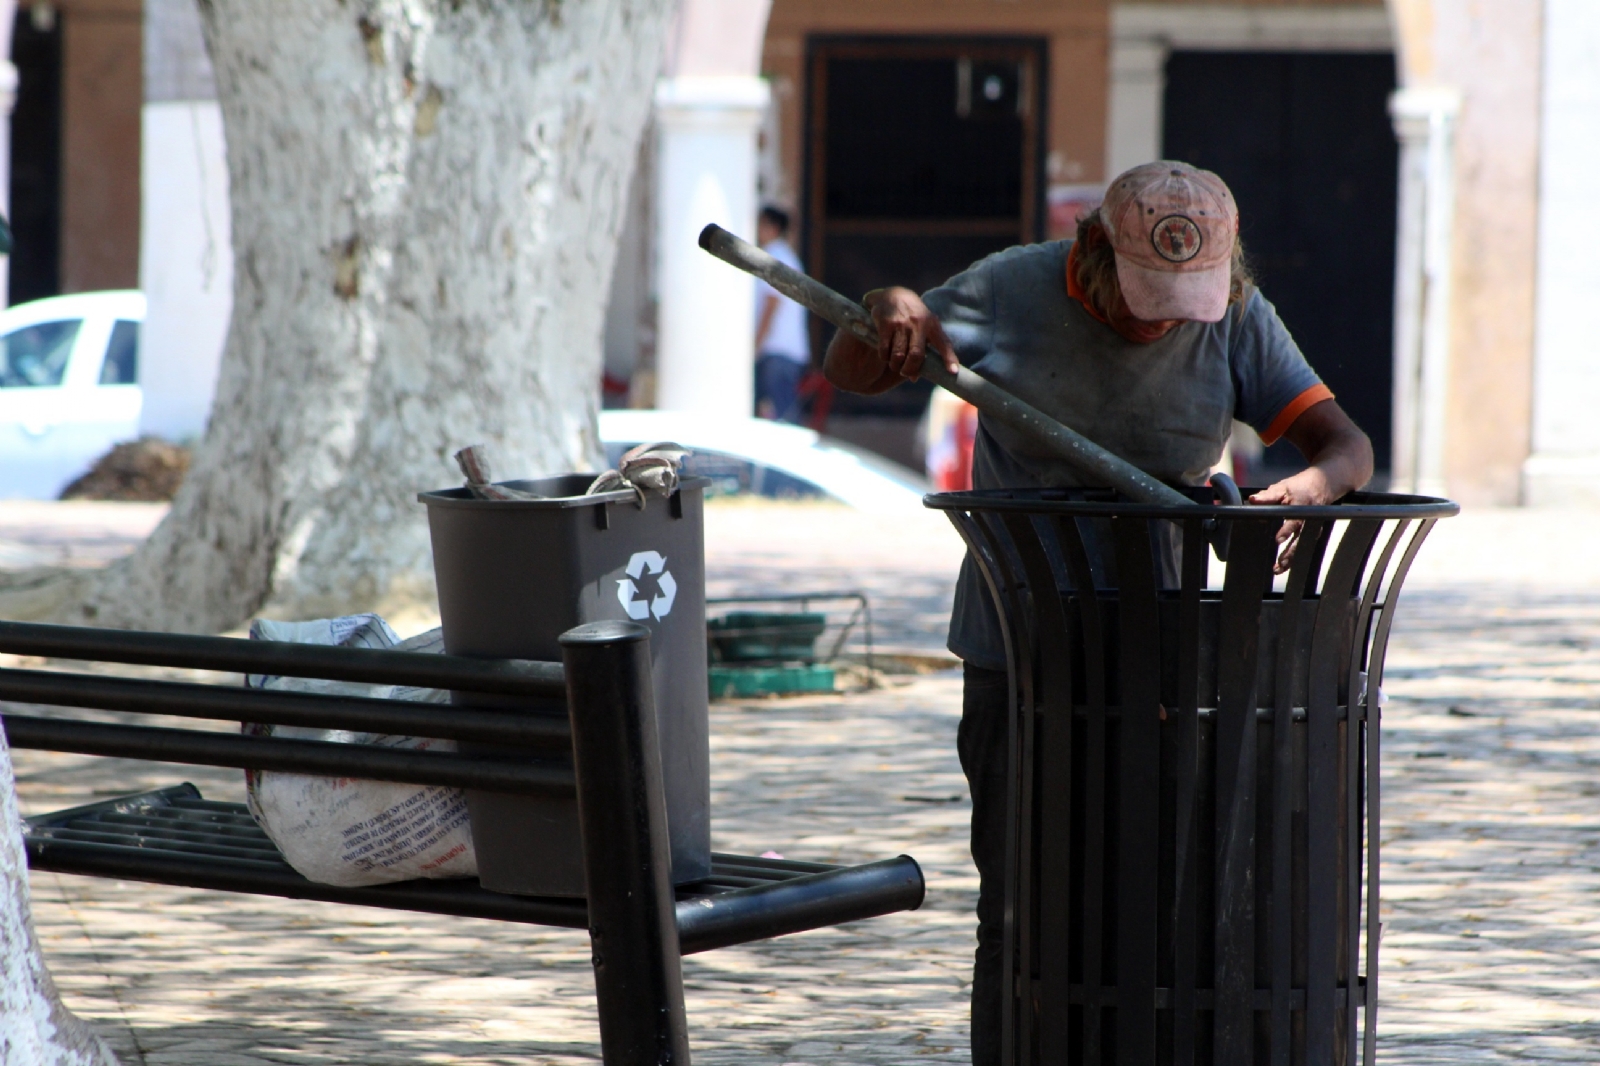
638	970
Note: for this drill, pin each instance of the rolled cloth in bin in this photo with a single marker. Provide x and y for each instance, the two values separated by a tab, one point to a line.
651	468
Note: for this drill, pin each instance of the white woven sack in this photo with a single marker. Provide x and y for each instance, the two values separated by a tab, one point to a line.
346	831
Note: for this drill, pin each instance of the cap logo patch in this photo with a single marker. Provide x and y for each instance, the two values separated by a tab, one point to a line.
1176	238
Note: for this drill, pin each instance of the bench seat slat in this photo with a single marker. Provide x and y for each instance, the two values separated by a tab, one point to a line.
135	838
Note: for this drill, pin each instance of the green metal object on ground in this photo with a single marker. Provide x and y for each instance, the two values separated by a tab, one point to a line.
743	682
752	636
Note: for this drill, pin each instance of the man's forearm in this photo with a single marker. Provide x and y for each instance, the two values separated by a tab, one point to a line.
1345	462
1337	453
856	367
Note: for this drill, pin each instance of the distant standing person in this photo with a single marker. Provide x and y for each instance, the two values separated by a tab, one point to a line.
783	349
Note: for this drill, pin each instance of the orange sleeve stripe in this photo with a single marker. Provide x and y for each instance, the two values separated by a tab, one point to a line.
1297	407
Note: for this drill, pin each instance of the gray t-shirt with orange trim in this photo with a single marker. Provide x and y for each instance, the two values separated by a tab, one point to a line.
1166	406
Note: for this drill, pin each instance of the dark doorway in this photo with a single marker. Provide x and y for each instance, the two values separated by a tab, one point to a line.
923	156
1305	143
36	159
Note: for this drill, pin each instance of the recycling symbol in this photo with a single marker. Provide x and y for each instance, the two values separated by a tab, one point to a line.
628	592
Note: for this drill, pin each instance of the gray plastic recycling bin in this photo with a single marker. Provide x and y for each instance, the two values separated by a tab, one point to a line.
1193	801
513	576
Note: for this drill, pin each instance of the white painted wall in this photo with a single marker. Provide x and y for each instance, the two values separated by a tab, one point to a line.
1138	86
8	102
185	264
1565	465
710	104
1424	121
706	169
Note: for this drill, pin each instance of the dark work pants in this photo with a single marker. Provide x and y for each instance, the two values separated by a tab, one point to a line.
981	743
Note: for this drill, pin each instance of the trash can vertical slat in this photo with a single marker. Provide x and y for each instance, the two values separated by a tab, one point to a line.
1323	889
1094	784
1380	648
990	556
1139	790
1302	575
1239	634
1054	740
1357	731
1011	552
1187	738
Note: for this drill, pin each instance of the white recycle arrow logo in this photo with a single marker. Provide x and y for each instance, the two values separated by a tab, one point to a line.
628	593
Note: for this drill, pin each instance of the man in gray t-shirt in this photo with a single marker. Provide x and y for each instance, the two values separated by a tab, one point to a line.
1146	335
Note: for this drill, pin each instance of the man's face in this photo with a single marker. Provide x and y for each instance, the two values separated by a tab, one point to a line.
766	232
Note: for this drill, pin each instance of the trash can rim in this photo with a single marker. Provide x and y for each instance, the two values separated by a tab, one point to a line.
458	496
1376	505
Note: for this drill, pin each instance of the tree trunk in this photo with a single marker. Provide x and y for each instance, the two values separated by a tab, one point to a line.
35	1028
426	201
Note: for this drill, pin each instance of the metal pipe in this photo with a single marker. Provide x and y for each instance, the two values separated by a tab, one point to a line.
1084	455
536	726
705	924
511	677
801	903
462	898
289	756
622	813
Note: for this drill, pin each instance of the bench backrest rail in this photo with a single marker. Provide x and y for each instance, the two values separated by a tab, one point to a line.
508	677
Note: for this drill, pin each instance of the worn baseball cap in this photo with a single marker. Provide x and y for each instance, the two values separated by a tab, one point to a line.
1172	227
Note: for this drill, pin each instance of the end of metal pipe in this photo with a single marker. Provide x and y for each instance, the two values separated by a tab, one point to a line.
608	632
709	234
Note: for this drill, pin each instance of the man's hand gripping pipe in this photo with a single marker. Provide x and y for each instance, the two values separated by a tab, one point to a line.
1097	465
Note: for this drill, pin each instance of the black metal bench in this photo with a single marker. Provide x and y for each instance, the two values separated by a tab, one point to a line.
591	718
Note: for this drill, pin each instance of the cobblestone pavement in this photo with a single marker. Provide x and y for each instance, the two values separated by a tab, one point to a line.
204	979
1491	854
81	533
1491	851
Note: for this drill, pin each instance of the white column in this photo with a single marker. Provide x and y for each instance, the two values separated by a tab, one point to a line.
1564	468
8	102
185	265
1424	121
706	166
185	251
1138	83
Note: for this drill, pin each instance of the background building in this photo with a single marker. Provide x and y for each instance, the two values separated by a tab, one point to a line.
1412	176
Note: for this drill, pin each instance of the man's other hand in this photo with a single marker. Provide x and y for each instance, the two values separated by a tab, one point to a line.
906	331
1341	460
1308	488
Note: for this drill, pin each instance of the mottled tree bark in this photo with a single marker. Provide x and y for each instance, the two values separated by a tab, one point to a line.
426	200
35	1028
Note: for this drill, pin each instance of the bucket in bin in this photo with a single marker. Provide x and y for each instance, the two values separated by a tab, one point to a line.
513	575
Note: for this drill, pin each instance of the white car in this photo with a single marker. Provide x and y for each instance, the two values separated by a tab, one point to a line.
774	459
69	371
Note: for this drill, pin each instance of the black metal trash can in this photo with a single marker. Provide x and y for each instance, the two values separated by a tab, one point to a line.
1190	792
512	577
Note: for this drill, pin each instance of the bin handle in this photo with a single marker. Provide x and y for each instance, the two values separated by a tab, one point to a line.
1220	533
